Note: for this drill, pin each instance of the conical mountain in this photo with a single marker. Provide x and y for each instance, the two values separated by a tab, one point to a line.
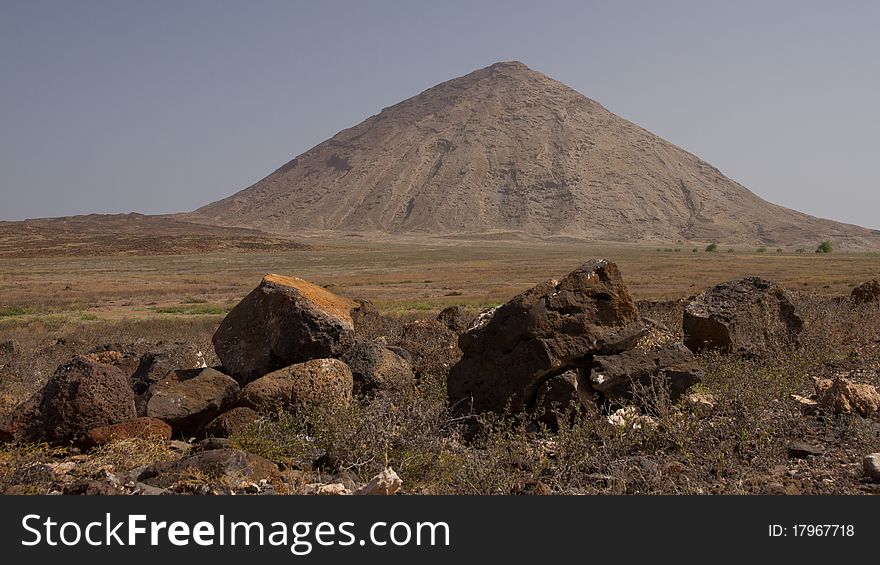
507	149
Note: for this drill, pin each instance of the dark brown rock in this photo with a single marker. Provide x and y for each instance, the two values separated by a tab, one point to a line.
187	400
671	366
456	318
867	292
561	394
285	320
89	487
231	422
81	395
802	450
139	428
750	314
375	367
556	325
229	465
155	364
315	384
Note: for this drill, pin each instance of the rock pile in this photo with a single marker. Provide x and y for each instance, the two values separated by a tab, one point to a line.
279	349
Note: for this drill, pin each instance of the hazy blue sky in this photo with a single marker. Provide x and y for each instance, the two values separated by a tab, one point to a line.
156	106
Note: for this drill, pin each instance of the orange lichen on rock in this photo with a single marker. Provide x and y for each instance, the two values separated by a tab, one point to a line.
324	299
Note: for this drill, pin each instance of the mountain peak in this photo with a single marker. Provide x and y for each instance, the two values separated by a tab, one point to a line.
506	149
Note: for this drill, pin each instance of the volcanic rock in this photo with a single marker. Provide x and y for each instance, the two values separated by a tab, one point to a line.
555	326
671	366
187	400
867	292
314	384
139	428
81	395
375	367
231	422
749	314
285	320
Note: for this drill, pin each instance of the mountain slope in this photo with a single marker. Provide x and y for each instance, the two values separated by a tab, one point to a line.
507	149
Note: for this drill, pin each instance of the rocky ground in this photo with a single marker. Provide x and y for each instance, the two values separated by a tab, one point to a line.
571	387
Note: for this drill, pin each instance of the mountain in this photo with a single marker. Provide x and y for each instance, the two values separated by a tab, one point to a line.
507	150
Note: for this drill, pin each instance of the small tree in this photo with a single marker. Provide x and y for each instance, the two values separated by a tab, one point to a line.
824	247
712	248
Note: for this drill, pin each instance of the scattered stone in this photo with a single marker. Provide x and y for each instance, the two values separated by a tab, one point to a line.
231	422
212	443
144	489
749	314
456	319
629	418
317	383
808	405
81	395
672	366
544	331
90	487
842	396
331	489
871	463
187	400
802	450
227	465
701	403
385	483
867	292
180	446
285	320
375	367
155	365
140	428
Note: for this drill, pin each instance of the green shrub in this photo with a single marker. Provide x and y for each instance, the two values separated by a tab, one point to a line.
762	250
712	248
824	247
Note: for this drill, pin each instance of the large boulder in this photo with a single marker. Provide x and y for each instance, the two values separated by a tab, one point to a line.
155	364
79	396
555	326
749	314
314	384
189	399
867	292
375	367
671	366
285	320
